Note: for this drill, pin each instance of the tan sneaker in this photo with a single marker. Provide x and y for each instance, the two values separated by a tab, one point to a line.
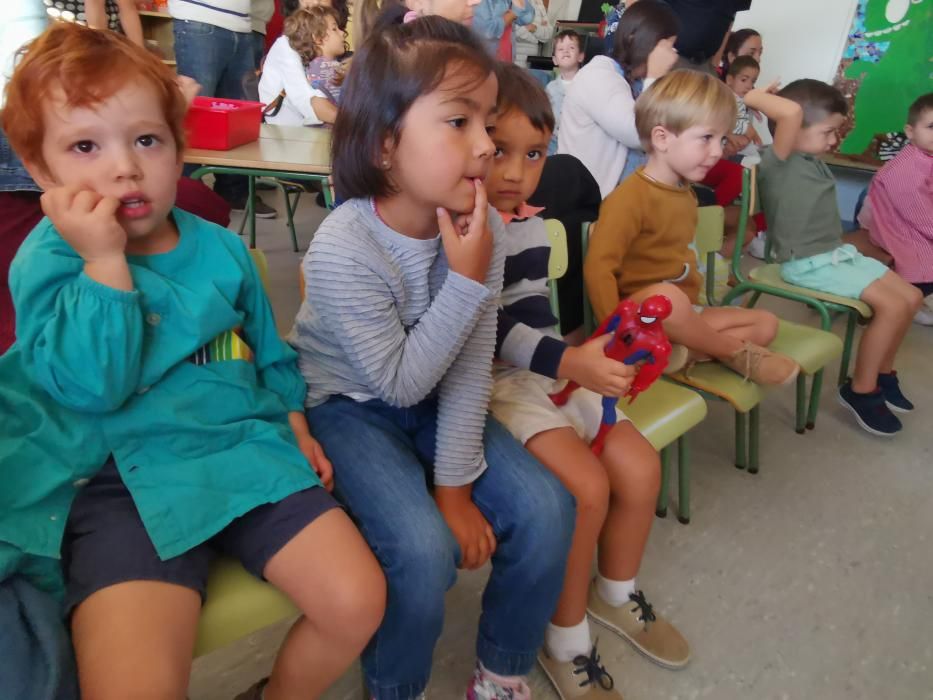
584	677
647	631
762	366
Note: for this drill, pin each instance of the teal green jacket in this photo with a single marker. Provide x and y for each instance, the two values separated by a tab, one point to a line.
184	380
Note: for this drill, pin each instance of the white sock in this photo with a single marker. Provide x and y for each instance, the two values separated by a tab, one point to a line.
616	593
565	643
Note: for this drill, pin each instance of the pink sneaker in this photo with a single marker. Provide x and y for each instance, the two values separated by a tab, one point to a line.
486	685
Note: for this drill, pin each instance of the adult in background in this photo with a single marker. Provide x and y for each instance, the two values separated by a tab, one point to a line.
214	44
527	38
704	26
598	116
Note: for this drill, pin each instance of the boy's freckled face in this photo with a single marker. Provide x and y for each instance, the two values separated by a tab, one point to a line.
518	161
743	81
121	147
692	153
921	133
821	136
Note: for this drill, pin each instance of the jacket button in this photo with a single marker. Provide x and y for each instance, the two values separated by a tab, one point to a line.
153	319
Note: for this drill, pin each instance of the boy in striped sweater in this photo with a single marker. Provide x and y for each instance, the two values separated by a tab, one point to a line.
615	492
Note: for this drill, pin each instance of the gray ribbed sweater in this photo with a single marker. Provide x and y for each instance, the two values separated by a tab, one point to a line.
384	317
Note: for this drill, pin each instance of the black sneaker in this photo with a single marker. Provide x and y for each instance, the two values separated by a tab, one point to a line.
870	410
891	390
263	210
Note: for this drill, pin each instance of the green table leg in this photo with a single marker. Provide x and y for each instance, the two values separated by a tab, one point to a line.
661	507
683	481
251	210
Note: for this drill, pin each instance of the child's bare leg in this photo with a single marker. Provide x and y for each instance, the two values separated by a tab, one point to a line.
330	573
634	470
135	640
913	297
894	309
717	332
569	458
731	228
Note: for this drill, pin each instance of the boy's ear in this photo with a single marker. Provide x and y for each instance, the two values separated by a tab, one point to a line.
909	130
41	176
660	139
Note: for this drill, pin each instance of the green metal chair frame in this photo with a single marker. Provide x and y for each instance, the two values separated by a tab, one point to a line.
276	177
653	414
766	279
812	348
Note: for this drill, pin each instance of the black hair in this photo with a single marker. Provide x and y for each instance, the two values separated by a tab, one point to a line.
741	63
391	70
290	7
733	44
568	34
641	28
817	99
919	106
520	91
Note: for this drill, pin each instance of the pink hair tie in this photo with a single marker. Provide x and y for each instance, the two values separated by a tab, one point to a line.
410	16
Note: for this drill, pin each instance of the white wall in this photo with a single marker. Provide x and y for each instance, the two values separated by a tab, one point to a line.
801	38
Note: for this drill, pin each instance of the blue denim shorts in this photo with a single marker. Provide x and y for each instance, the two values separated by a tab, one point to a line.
843	271
106	542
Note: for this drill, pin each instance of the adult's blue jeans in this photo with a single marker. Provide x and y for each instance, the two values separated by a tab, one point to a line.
382	459
221	61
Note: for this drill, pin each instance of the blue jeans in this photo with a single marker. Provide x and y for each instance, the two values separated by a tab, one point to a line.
221	61
382	459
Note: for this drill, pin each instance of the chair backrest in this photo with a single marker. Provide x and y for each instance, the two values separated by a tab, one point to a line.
557	260
709	234
262	266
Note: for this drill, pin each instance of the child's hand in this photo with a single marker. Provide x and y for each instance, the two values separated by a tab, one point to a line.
189	88
314	453
87	221
311	449
468	240
471	530
588	366
773	88
753	135
662	58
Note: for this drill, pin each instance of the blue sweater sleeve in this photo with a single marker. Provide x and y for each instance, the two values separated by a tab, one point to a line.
276	361
524	15
487	19
81	340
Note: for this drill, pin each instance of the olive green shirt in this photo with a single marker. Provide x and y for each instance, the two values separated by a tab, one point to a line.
798	196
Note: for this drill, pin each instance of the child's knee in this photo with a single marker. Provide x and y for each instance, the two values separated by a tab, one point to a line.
914	298
635	467
356	608
679	301
590	489
766	325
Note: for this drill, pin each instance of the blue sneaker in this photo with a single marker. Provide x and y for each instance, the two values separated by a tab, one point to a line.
870	410
891	389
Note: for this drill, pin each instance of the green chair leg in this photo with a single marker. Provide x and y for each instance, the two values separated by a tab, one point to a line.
800	417
683	480
754	417
741	431
661	507
754	300
815	390
847	347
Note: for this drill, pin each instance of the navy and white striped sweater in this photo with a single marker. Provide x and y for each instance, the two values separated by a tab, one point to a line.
527	336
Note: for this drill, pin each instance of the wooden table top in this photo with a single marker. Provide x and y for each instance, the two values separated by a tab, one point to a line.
297	149
840	160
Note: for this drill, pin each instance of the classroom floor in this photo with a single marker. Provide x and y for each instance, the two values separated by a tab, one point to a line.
810	580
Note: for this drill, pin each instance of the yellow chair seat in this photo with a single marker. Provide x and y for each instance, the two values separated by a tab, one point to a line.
664	412
771	276
720	381
810	347
237	605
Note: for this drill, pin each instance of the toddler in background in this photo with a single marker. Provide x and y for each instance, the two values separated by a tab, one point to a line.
568	57
317	37
741	78
899	212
